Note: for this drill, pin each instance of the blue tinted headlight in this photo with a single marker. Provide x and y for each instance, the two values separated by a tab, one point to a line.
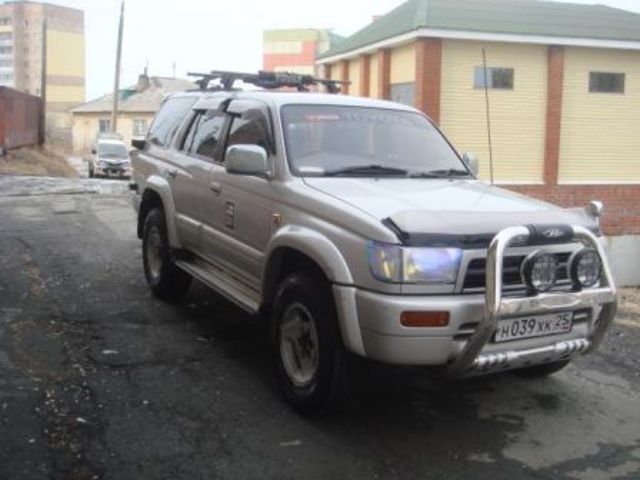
431	265
393	263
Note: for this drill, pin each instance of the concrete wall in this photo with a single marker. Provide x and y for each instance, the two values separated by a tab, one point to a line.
624	255
600	138
517	116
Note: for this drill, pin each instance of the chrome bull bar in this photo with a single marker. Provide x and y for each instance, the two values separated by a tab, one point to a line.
602	299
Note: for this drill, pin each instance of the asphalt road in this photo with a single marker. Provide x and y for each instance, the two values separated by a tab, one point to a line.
100	380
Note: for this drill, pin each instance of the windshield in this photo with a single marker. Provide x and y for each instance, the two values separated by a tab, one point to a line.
326	140
113	150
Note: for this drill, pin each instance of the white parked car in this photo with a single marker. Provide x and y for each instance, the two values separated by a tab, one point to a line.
109	158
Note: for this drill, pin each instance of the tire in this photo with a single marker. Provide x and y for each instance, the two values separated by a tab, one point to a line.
304	311
166	280
541	371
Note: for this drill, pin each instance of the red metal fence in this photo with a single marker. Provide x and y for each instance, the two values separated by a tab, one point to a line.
20	118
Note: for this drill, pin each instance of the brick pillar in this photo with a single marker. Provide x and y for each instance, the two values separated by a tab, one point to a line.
428	76
327	71
344	76
384	74
365	75
555	81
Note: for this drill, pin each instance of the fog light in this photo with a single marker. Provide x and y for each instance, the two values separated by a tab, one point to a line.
585	268
424	319
540	272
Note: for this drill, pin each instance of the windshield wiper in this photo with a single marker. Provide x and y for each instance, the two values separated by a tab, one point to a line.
444	173
374	170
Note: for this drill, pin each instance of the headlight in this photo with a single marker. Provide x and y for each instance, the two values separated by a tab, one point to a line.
585	268
540	271
396	264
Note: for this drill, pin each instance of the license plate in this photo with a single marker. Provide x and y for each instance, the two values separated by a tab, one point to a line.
533	326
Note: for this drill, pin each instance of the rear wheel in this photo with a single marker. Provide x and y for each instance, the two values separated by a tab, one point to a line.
165	279
540	371
307	348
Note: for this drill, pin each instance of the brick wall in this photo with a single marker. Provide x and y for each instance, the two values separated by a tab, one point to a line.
621	214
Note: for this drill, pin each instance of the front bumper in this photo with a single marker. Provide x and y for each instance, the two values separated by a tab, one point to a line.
113	171
465	345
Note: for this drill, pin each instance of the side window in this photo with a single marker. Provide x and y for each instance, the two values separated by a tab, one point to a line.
168	119
250	128
205	136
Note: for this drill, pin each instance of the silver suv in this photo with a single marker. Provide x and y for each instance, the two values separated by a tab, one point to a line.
355	227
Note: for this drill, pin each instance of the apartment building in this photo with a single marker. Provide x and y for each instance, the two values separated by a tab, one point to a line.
295	50
37	35
563	82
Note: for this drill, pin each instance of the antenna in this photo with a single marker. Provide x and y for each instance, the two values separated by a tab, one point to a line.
486	98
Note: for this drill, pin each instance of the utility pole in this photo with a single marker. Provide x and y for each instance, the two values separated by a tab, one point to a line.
116	86
43	83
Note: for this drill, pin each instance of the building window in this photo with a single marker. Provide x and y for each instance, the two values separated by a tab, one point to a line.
404	93
104	126
139	127
5	21
602	82
496	78
6	77
6	62
5	36
6	50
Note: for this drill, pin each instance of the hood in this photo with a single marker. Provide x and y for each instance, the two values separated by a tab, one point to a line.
445	207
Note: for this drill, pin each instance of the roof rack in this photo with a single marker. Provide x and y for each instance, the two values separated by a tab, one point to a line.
264	79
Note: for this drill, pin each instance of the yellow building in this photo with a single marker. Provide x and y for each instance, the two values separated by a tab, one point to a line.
37	35
137	105
563	89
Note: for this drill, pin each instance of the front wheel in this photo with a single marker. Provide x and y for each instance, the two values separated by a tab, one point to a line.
166	280
307	347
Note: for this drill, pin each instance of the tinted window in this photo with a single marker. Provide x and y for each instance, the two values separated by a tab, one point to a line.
169	119
112	149
496	78
602	82
251	128
205	135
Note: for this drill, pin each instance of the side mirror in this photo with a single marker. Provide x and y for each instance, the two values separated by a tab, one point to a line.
471	161
246	160
93	151
139	143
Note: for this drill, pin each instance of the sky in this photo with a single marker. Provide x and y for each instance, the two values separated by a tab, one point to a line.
201	35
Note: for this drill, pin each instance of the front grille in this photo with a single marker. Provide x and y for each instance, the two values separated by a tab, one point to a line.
474	280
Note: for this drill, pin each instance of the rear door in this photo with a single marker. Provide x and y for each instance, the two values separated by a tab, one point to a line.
161	157
200	155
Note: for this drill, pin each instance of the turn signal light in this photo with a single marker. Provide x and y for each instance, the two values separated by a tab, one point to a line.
424	319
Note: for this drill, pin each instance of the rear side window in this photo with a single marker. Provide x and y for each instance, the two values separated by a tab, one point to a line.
205	135
168	119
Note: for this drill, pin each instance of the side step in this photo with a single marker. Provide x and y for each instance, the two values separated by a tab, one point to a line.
222	283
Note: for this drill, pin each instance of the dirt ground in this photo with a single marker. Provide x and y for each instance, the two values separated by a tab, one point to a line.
99	380
35	161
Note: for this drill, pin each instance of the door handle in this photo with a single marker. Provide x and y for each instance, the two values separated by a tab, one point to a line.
172	173
215	187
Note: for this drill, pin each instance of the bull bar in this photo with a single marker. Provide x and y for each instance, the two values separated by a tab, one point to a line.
471	359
